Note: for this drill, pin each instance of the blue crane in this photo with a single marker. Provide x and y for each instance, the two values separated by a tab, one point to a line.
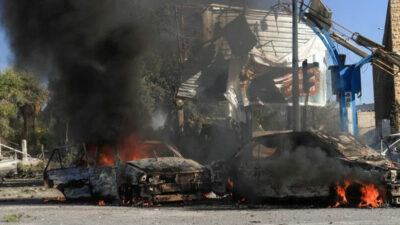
346	79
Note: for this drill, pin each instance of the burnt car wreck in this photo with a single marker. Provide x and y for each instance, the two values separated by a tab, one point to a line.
163	180
161	174
287	166
276	166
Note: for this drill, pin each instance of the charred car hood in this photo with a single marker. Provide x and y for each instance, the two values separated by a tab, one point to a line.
167	165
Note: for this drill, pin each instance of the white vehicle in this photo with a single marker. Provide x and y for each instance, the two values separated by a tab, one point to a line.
390	146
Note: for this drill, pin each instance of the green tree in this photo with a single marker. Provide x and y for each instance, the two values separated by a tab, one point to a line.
159	69
21	95
35	96
10	96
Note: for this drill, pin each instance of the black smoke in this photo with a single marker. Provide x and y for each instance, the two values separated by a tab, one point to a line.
279	164
313	166
87	50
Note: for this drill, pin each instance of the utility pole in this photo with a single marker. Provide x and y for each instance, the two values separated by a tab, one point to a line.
295	83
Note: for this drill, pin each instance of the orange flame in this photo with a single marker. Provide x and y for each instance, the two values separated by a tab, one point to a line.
101	202
341	192
230	182
106	156
58	199
129	149
370	194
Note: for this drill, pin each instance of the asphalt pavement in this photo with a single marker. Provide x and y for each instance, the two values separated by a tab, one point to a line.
73	214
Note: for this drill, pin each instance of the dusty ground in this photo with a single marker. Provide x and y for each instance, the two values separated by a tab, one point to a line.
23	200
66	214
30	189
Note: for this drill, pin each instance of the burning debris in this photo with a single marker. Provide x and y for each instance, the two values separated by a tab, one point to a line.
129	149
58	199
230	182
341	193
369	194
101	203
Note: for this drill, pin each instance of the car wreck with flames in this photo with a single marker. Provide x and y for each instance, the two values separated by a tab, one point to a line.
307	166
144	173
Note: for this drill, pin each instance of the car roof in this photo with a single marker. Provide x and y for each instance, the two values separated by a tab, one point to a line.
169	146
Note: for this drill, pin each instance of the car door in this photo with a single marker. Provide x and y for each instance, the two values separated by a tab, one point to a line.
251	167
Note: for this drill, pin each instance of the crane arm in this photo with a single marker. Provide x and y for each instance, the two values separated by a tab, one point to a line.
319	16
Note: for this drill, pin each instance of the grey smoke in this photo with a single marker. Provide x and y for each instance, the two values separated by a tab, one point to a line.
158	120
312	166
301	167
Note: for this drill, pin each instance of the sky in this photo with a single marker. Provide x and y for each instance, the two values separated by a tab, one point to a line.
5	51
368	18
364	16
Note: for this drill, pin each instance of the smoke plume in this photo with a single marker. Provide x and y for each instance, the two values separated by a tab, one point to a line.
158	120
87	50
312	166
280	163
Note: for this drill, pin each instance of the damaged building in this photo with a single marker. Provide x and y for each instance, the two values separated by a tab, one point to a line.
238	66
387	87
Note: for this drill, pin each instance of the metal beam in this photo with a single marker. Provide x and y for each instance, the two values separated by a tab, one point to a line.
295	89
348	45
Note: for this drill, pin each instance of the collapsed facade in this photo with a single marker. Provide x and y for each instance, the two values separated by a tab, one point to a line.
240	60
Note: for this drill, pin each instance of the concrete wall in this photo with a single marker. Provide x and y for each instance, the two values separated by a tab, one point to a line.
366	126
395	37
395	24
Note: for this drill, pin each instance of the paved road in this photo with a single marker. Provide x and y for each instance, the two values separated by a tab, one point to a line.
66	214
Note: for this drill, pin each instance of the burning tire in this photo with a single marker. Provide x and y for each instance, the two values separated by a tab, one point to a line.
354	194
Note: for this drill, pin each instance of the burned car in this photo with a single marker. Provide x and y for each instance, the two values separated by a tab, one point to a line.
289	165
150	172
